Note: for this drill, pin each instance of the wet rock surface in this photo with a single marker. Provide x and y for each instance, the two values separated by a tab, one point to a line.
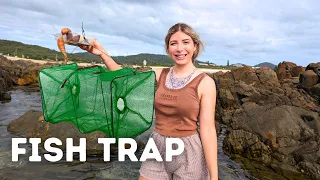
273	117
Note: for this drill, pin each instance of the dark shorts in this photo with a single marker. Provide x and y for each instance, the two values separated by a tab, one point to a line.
190	165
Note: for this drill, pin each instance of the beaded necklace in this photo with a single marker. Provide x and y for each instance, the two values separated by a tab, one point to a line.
176	82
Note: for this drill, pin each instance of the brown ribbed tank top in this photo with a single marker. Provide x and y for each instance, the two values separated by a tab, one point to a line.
177	110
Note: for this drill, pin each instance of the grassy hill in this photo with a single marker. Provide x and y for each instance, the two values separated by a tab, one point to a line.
152	59
14	48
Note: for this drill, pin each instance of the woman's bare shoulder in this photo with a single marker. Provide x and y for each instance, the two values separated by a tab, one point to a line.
207	85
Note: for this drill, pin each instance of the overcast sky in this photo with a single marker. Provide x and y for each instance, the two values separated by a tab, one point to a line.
241	31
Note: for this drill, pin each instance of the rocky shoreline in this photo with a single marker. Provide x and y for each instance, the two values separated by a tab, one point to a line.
272	117
19	72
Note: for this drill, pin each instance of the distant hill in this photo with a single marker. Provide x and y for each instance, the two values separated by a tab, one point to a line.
14	48
152	59
238	65
266	64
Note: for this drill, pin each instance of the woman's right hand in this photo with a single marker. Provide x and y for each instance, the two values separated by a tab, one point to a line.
95	48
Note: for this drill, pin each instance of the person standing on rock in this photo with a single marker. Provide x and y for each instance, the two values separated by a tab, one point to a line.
184	97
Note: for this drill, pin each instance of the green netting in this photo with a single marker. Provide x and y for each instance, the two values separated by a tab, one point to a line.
119	103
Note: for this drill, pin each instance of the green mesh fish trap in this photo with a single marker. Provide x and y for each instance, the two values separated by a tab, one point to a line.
119	103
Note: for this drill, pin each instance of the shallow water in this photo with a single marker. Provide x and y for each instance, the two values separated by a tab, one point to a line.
93	168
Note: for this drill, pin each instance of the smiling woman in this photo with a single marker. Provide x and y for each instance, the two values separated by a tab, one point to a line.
189	39
185	97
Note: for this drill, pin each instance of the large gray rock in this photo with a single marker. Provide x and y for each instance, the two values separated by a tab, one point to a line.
308	79
5	84
315	91
5	96
315	67
32	124
271	119
246	74
5	79
247	144
296	71
284	70
282	134
18	72
267	76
